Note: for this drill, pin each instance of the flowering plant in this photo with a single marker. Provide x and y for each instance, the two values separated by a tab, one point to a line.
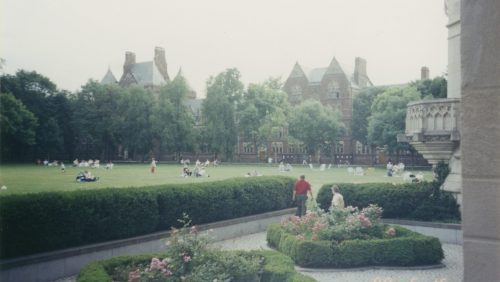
190	258
338	224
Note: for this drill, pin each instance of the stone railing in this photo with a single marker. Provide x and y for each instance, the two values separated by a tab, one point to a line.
433	117
432	127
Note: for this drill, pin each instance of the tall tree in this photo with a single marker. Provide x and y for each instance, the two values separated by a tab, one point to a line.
361	111
41	97
96	120
17	127
223	94
135	108
262	110
172	122
315	125
388	116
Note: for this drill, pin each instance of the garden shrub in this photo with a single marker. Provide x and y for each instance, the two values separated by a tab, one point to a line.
408	248
47	221
417	201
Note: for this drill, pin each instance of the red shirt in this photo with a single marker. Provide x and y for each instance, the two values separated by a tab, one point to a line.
302	186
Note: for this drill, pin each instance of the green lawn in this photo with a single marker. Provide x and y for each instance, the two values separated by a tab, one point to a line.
31	178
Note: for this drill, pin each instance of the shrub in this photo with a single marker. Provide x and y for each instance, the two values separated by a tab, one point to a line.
406	201
40	222
406	249
275	267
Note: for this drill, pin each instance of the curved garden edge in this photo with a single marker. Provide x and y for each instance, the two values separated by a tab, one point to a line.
354	269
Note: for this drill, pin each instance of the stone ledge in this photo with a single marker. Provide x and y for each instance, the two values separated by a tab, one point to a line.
354	269
439	225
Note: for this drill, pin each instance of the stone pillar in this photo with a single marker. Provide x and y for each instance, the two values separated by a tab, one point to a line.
480	53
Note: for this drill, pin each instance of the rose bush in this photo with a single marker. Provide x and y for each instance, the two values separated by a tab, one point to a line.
338	224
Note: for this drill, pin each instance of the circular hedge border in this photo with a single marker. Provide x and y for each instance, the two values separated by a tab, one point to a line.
408	248
276	267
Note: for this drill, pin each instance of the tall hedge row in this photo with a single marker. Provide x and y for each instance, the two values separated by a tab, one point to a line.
418	201
41	222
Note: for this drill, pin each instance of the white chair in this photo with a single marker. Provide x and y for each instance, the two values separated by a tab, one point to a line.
359	171
311	166
350	170
322	167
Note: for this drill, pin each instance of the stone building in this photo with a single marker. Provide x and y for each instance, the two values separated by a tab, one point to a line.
334	85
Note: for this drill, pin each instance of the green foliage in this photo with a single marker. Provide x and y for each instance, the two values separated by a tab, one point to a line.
406	201
262	110
315	125
361	111
406	249
17	126
56	220
432	89
388	117
223	94
275	266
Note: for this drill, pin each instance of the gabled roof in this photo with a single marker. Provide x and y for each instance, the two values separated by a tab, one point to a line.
297	71
147	73
109	78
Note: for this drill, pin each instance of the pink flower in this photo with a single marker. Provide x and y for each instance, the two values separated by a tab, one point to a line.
193	230
300	237
391	232
186	258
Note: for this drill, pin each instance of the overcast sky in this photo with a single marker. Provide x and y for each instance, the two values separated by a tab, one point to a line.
71	41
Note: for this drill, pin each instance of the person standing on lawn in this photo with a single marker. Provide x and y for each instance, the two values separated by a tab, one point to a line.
300	190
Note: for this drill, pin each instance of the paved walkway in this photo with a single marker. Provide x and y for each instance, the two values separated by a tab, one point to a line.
453	272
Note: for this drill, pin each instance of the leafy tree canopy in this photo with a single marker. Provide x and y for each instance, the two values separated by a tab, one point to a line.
315	125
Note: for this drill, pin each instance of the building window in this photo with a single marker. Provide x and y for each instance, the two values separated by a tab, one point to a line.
333	90
277	147
296	93
359	147
339	147
248	147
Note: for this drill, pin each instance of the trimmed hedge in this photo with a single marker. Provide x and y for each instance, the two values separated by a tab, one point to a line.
277	267
40	222
408	248
417	201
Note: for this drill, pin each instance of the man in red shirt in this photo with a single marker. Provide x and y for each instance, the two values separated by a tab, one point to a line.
300	195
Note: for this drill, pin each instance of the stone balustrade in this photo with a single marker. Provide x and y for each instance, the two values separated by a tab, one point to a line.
432	127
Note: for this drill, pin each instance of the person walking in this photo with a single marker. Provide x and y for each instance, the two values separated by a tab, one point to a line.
300	190
153	165
337	199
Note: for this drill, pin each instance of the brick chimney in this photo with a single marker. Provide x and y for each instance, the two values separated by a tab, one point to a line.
129	60
424	73
360	75
161	62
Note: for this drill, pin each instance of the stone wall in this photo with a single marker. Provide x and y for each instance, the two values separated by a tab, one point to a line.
480	52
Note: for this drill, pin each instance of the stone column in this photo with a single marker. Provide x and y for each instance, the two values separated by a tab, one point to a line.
480	52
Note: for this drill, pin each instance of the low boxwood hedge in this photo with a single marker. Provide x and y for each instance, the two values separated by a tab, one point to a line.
40	222
417	201
408	248
276	267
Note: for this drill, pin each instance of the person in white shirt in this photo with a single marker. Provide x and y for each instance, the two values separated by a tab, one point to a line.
338	199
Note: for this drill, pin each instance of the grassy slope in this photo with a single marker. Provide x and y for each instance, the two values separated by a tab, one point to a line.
31	178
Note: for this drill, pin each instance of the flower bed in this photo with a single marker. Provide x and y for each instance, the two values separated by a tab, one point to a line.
190	258
351	238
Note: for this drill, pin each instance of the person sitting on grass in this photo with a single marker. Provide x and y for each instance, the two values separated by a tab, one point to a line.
86	177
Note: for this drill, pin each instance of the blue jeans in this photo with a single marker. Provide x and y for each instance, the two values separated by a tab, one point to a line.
301	204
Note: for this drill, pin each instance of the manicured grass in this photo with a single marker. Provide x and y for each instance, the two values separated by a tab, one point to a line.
32	178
